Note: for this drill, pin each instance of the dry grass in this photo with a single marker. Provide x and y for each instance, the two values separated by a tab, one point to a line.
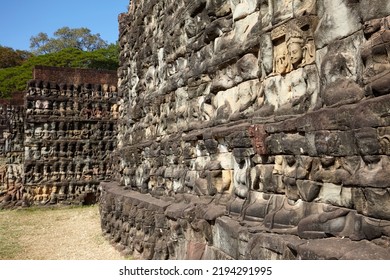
54	234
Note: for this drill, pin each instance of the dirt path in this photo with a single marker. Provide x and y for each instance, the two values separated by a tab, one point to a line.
54	234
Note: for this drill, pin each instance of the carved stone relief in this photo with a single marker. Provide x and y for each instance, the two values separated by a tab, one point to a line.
376	55
293	44
247	118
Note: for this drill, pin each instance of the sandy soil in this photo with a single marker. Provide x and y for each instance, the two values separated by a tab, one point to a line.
54	234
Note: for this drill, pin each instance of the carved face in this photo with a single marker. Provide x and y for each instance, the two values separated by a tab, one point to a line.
280	64
295	52
371	26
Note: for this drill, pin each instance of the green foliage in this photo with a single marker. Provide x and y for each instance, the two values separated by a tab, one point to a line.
15	78
11	58
64	38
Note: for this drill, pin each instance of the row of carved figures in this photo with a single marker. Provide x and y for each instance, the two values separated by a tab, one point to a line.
67	108
70	130
53	194
66	172
40	88
75	149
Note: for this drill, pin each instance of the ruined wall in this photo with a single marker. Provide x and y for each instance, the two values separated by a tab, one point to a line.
66	128
74	76
11	148
252	129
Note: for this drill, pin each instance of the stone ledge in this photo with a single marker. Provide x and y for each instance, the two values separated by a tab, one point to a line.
372	112
75	75
196	228
136	198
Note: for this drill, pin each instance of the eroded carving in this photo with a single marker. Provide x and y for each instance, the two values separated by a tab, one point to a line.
293	44
376	55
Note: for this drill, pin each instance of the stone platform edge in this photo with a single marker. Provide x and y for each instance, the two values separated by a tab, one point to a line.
189	227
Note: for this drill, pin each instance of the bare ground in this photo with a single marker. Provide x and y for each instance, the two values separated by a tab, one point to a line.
54	234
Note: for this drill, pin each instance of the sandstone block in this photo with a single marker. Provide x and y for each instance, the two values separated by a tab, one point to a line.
329	27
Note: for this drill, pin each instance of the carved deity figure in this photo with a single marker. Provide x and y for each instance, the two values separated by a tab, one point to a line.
76	131
97	111
62	171
36	152
293	44
242	166
45	106
52	130
46	152
62	109
61	130
115	111
62	150
27	153
87	171
37	174
38	132
46	132
376	55
45	194
78	170
281	60
69	171
46	172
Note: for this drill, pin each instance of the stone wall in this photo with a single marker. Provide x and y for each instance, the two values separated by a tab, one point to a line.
11	148
60	139
252	129
74	76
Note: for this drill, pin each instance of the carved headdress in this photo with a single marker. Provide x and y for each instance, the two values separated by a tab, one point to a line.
294	34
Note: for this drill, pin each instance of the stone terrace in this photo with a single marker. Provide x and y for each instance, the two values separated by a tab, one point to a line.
251	130
66	131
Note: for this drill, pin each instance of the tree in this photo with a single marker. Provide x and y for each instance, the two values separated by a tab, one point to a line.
65	37
11	58
15	78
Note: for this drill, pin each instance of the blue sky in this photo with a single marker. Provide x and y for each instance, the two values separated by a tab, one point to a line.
21	19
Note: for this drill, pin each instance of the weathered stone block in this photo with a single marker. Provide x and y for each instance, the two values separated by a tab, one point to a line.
271	247
329	27
367	141
294	144
335	143
225	236
211	146
225	160
384	140
218	8
335	248
372	202
308	190
335	195
341	68
342	92
371	10
274	144
370	171
291	188
299	90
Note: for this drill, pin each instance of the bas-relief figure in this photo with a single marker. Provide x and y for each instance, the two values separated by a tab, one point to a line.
293	49
376	55
43	145
293	44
